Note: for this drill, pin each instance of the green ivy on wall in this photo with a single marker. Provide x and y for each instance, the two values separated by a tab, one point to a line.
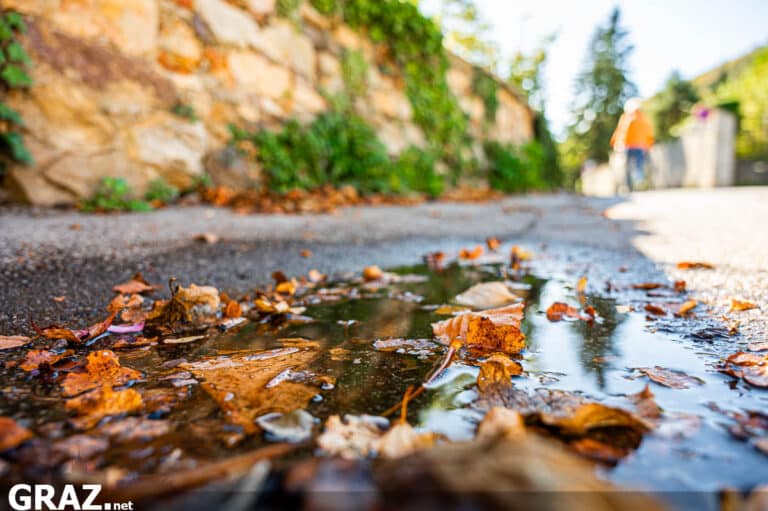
13	75
486	88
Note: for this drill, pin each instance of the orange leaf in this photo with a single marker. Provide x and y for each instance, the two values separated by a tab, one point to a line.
680	286
687	307
582	285
497	369
688	265
490	330
471	254
492	244
647	285
741	305
101	367
371	273
102	402
558	310
233	310
306	253
8	342
12	434
136	285
655	310
35	358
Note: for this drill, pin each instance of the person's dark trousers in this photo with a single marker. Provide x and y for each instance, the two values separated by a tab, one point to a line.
635	167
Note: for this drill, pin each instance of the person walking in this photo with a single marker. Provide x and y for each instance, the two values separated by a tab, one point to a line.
633	137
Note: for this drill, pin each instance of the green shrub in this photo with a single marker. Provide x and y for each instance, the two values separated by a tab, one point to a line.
114	194
514	168
415	170
13	75
484	86
159	190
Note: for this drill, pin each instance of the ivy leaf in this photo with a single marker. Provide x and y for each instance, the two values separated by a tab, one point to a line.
9	114
6	30
16	53
15	76
15	143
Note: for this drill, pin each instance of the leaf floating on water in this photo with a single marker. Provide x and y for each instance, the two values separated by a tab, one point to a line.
738	305
102	402
450	310
402	440
183	340
670	377
489	330
239	384
233	310
695	265
35	358
486	295
750	367
559	311
102	367
645	403
647	286
12	434
498	369
137	285
654	309
9	342
191	305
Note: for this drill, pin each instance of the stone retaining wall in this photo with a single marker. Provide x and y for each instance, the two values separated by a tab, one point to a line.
109	74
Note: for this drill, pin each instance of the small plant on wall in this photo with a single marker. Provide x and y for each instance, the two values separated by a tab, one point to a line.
13	75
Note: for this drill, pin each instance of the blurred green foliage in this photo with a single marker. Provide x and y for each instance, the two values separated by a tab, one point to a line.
486	87
354	71
515	168
114	194
13	75
185	111
670	107
159	190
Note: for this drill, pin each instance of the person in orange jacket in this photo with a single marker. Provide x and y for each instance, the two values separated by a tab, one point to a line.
634	137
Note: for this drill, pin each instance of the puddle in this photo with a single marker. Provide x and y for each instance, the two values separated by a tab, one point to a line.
686	454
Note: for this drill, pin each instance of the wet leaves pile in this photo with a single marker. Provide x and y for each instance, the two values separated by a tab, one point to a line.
466	361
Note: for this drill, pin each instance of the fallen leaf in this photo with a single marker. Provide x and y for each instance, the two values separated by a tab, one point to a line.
645	403
501	422
306	253
741	305
435	261
489	330
59	299
353	437
233	309
60	333
581	286
654	309
647	285
102	402
471	255
239	384
486	295
559	310
688	265
687	307
206	237
35	358
492	243
192	305
498	369
81	446
102	367
598	451
183	340
401	440
286	288
136	285
750	367
670	377
371	273
12	434
680	286
8	342
315	276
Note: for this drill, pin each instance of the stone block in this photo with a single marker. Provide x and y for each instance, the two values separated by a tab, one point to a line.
228	24
255	74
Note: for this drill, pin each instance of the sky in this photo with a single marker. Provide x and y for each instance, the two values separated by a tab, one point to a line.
691	36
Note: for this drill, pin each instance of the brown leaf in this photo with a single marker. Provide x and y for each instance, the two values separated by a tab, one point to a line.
492	244
688	265
59	299
498	369
136	285
402	440
102	402
12	434
751	367
645	403
741	305
206	237
599	451
435	261
489	330
60	333
306	253
486	295
670	378
233	310
559	310
102	367
239	384
8	342
192	305
590	416
680	286
647	285
656	310
471	255
35	358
